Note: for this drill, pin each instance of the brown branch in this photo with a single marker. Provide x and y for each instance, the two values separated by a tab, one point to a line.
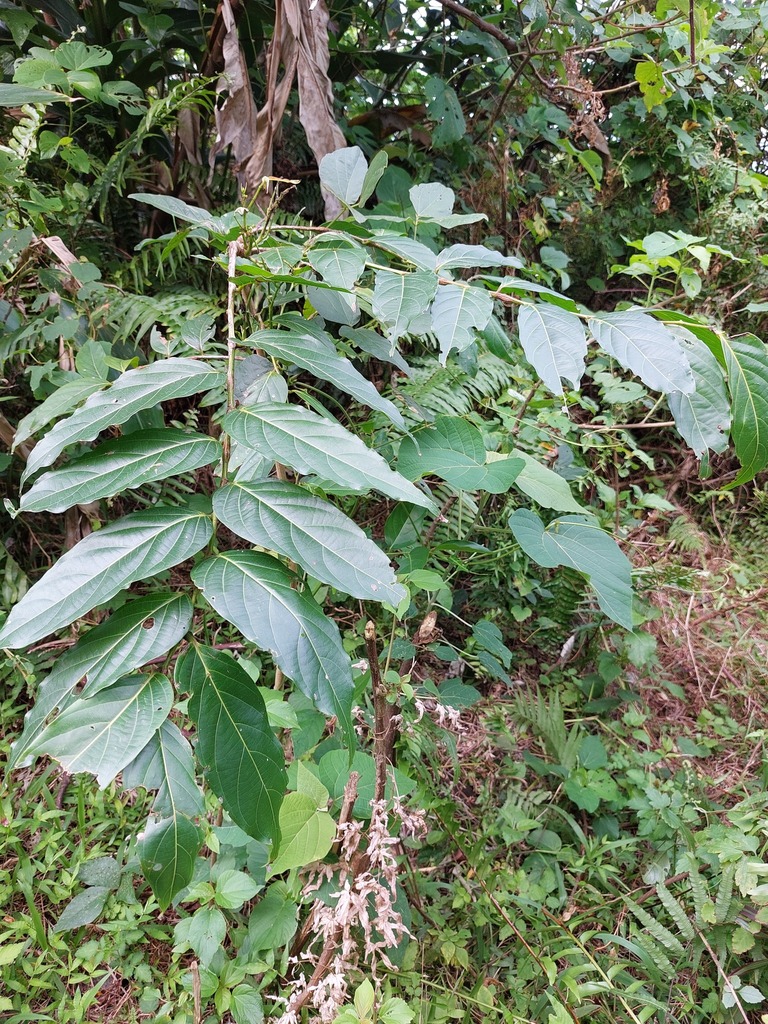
485	26
383	734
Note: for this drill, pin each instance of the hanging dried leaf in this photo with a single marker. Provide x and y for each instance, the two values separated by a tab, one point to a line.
236	119
309	24
299	46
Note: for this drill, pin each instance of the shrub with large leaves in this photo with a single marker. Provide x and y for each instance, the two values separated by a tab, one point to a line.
302	446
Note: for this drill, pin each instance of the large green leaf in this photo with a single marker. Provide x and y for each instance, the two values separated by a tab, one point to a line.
467	256
746	360
323	361
579	542
133	635
103	733
311	532
311	444
132	392
453	449
101	565
256	593
644	346
703	416
125	462
340	261
62	401
406	249
445	110
343	172
243	761
401	301
167	851
458	312
18	95
307	833
166	765
546	487
434	202
554	342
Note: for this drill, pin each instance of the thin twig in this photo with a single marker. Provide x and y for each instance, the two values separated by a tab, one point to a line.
382	715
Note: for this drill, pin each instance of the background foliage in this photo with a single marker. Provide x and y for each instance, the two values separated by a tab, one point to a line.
384	599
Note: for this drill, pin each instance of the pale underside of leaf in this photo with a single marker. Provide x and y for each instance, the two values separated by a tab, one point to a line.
255	593
101	565
702	417
313	445
458	313
128	462
646	347
165	764
555	344
133	391
138	632
322	360
318	537
102	734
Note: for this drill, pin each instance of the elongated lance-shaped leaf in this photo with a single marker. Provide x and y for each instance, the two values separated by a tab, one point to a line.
458	313
644	346
322	360
255	593
243	761
132	636
401	301
101	565
311	532
168	848
702	417
133	391
166	765
102	734
554	342
311	444
746	359
119	464
579	542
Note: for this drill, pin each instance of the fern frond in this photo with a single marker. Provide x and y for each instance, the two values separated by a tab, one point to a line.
656	952
655	928
724	898
687	536
699	893
676	912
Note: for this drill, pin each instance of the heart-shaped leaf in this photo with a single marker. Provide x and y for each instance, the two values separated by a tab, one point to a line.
579	542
